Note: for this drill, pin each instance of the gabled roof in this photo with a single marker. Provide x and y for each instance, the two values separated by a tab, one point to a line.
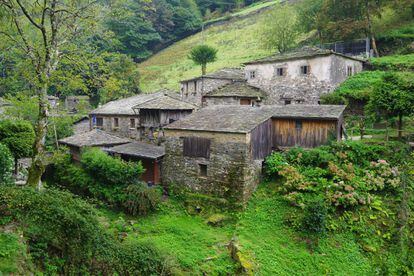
138	149
301	53
235	118
242	119
93	138
165	102
237	89
235	74
302	111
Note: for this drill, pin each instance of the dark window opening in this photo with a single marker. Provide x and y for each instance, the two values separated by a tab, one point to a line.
280	72
288	102
202	170
99	122
252	74
245	102
298	125
305	70
319	102
195	86
196	147
171	121
116	122
349	71
132	123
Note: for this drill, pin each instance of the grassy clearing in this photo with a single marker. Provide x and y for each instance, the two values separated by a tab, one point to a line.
265	240
237	42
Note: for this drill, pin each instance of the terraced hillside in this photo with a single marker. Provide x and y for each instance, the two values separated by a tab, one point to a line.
237	41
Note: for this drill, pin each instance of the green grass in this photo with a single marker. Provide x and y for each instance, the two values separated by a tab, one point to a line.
270	245
395	62
278	250
237	42
11	252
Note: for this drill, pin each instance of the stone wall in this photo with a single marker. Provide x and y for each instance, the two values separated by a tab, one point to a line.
326	73
192	91
231	173
124	130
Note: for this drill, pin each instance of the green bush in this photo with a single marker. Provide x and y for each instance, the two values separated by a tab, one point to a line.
6	165
108	179
141	199
314	219
65	236
396	63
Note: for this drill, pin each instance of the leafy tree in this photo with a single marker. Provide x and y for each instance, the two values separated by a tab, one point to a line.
43	32
203	54
280	29
394	97
18	136
6	164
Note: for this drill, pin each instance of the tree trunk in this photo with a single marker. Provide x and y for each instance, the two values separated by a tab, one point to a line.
37	167
203	69
370	32
400	126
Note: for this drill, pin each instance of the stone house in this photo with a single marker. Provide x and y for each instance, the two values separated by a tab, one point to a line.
302	75
139	116
219	150
74	104
235	93
193	89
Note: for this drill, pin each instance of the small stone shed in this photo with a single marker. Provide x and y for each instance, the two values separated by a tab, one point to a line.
75	103
150	156
193	89
219	150
236	93
93	138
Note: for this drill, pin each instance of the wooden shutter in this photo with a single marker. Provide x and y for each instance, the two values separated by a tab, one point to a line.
196	147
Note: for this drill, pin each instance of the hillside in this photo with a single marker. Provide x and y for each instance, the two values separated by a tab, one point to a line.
236	41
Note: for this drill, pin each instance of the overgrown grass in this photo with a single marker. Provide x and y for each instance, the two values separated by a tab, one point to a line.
278	250
396	62
12	256
237	42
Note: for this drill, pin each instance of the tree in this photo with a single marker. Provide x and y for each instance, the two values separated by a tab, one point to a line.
43	31
280	29
18	136
394	97
203	54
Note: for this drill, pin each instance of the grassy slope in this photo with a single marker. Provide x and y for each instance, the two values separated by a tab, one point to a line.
237	42
12	254
272	246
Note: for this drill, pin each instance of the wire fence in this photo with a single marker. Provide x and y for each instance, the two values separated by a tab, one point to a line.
359	47
379	133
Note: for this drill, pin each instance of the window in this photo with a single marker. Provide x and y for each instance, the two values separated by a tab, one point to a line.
305	70
349	71
299	101
196	147
116	122
280	71
132	123
288	102
252	74
99	122
170	121
245	102
202	170
195	86
298	125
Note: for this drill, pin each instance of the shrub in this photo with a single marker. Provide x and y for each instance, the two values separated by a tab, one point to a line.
6	165
65	237
141	199
314	219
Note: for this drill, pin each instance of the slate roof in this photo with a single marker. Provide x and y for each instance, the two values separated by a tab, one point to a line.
302	111
237	89
165	102
242	119
93	138
138	149
235	74
304	52
235	118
